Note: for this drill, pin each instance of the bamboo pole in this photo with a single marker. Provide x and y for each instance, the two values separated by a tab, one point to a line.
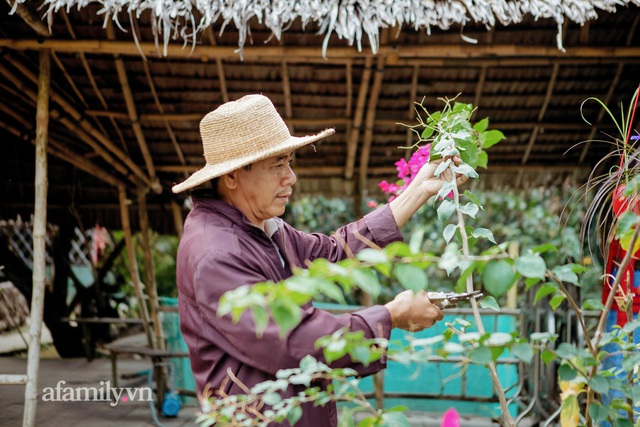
412	109
302	53
39	241
352	141
30	18
370	121
177	218
152	291
133	264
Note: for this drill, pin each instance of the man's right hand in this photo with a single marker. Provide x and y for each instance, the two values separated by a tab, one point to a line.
413	311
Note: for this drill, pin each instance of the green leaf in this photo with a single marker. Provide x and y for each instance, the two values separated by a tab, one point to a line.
523	351
372	256
531	265
545	247
498	277
566	274
427	132
548	356
472	198
483	159
627	221
294	415
593	304
481	356
465	170
598	412
491	138
531	282
470	209
449	231
395	419
599	384
411	277
367	280
566	373
556	301
565	351
446	188
570	412
484	232
415	241
286	314
544	290
489	303
271	398
260	318
445	210
442	167
482	125
368	422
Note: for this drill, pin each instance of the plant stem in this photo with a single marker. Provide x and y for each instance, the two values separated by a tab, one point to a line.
474	306
574	306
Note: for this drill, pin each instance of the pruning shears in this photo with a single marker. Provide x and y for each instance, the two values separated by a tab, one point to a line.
444	300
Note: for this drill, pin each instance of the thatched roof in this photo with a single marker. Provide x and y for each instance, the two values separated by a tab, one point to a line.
126	110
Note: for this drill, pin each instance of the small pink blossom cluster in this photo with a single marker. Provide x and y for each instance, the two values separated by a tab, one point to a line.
406	171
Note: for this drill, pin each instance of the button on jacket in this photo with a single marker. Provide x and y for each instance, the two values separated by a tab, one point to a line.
221	250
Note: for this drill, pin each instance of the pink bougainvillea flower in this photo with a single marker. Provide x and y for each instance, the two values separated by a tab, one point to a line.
403	168
372	204
451	418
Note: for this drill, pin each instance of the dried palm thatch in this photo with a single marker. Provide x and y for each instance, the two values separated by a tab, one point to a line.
349	19
14	309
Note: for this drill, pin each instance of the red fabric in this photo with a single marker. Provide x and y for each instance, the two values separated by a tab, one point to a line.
630	279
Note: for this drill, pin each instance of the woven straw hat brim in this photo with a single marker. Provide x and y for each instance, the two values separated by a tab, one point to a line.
211	171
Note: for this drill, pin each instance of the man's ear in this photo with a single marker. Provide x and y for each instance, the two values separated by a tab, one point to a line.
230	180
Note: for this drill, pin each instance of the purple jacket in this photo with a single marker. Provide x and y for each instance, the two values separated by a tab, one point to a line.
221	250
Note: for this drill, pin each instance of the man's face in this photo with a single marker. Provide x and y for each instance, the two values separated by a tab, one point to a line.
264	190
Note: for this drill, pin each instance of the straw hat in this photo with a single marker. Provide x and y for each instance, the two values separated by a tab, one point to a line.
242	132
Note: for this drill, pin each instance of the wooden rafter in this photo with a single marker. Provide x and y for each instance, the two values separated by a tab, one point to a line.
94	85
352	141
480	86
220	67
608	96
133	116
412	108
542	112
286	89
77	118
30	18
160	108
301	53
370	120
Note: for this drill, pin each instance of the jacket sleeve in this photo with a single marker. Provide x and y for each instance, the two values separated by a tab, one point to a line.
218	273
378	226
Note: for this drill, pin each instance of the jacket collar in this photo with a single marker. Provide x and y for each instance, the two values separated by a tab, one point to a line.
205	200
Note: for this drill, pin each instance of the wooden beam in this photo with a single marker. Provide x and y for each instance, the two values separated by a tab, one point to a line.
39	241
410	134
220	67
167	124
78	118
94	85
368	130
480	86
461	51
352	142
541	113
133	115
286	89
30	18
607	98
337	171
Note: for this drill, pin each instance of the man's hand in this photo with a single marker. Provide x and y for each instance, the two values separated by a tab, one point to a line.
413	311
422	188
431	184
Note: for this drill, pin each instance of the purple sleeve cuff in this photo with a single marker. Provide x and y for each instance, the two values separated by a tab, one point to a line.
383	226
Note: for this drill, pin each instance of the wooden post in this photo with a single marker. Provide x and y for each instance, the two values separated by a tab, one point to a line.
177	218
39	240
148	265
133	265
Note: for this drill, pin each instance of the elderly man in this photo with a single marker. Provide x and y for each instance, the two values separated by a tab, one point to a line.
234	236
